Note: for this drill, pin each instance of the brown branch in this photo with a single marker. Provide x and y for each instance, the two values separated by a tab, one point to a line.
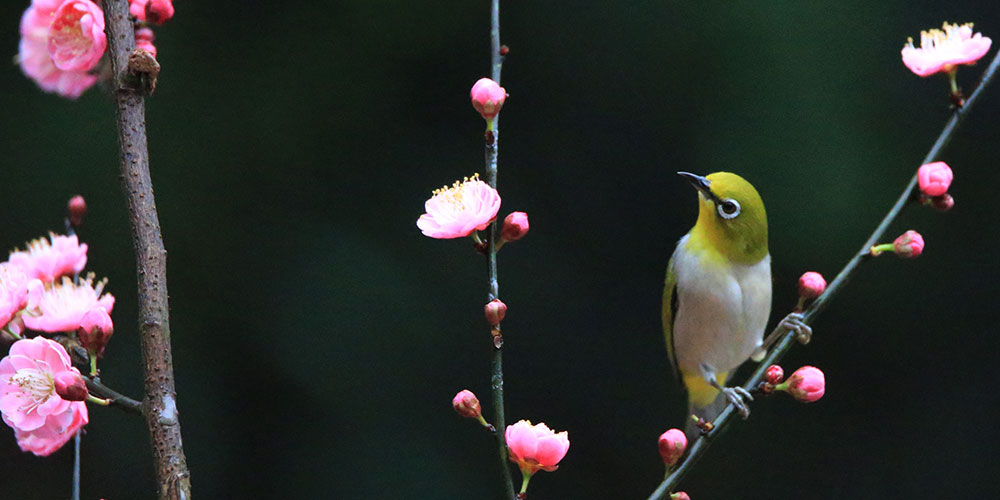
160	403
114	397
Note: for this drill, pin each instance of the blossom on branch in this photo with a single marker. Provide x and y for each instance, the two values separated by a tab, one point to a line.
46	260
807	384
935	178
34	58
29	402
62	306
515	226
941	50
534	447
672	445
13	291
76	38
811	285
487	97
457	211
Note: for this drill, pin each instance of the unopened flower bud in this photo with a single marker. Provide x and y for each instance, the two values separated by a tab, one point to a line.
159	11
811	285
680	495
774	374
934	178
672	445
76	208
466	404
909	245
515	226
943	203
807	384
487	97
144	40
95	330
495	311
70	386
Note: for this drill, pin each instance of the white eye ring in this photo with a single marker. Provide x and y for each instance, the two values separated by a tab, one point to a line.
728	208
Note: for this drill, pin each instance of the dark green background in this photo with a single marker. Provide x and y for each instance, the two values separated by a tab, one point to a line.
318	336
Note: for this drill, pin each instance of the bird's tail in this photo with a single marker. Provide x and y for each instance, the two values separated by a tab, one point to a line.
704	401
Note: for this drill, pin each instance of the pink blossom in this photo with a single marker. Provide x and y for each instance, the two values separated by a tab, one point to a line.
672	444
61	307
33	53
70	385
154	11
774	374
943	49
47	261
909	245
534	447
487	97
495	311
935	178
459	210
56	432
807	384
515	226
13	291
811	285
76	36
466	404
27	383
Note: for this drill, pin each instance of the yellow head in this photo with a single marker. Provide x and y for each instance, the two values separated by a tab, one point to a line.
731	216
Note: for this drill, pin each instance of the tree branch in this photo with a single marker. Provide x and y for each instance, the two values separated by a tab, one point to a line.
159	405
492	150
820	304
115	398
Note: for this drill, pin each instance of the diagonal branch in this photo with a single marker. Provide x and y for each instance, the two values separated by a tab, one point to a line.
160	403
786	341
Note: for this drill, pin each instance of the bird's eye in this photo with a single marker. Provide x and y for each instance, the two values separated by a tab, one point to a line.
729	209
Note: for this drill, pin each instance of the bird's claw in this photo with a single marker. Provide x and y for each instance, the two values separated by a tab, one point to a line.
796	323
739	396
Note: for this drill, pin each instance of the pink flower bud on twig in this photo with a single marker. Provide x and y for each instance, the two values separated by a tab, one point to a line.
76	208
680	495
515	226
487	97
807	384
495	311
70	386
672	445
909	244
811	285
774	374
934	178
144	40
534	447
466	404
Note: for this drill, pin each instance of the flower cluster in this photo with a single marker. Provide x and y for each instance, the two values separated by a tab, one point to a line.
63	41
41	393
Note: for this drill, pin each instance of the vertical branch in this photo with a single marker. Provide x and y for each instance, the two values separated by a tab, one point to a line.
159	405
492	150
836	286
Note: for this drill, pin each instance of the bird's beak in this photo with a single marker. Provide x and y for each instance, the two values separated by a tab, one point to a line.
700	183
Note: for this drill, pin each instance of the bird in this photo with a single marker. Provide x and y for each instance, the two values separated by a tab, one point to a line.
717	295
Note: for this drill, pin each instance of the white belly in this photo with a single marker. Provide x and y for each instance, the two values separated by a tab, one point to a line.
721	311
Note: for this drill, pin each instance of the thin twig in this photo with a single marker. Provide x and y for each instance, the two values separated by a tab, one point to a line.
115	398
814	309
75	495
492	150
160	403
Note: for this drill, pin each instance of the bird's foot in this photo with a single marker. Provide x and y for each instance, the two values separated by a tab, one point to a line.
739	397
796	323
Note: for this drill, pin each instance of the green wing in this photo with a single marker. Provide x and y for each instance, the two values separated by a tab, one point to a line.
670	313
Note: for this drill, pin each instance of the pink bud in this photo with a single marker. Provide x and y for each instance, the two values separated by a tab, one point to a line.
934	178
495	311
680	495
76	208
466	404
672	445
909	245
807	384
95	330
159	11
811	285
943	203
70	385
774	374
515	226
487	97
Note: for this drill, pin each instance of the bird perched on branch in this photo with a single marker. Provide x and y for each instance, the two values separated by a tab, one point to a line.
717	295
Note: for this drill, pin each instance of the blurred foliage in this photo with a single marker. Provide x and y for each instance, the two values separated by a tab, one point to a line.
319	336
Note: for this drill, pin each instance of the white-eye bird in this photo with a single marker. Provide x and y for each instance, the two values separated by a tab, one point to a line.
717	295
